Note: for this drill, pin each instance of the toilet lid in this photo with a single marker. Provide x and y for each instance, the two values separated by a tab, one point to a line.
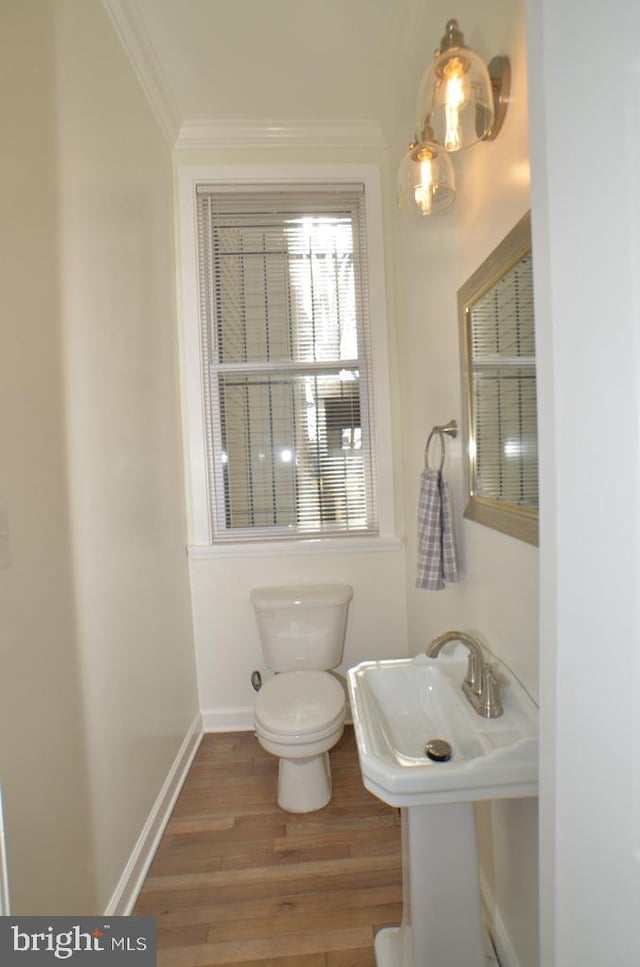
296	703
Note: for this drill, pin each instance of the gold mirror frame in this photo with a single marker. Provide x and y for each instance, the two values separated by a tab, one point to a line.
512	518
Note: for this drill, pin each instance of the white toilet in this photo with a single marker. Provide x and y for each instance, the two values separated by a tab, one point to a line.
299	713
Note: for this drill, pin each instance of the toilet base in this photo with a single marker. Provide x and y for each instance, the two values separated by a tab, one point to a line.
304	785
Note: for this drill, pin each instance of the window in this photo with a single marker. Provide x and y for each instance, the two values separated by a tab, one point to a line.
284	349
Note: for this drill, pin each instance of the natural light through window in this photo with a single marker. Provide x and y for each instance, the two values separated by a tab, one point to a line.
283	294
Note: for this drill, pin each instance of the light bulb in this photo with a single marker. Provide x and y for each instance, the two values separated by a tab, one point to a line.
423	192
454	99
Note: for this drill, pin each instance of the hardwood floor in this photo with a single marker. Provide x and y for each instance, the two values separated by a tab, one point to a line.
238	881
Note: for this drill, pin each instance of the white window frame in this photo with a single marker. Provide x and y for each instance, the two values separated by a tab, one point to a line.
200	525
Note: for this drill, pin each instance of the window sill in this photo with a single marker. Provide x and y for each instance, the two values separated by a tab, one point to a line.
348	545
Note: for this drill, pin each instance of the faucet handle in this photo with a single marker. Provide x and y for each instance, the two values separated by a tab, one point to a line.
490	697
474	679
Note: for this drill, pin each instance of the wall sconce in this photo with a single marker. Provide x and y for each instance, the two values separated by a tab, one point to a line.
460	101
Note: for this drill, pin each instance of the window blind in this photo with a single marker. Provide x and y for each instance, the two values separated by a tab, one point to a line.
285	355
504	388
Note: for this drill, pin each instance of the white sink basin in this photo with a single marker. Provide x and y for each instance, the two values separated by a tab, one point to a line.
400	705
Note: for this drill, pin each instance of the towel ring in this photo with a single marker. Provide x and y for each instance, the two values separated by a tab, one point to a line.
435	432
451	429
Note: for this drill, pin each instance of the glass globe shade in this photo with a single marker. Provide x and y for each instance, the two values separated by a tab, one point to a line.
426	182
455	99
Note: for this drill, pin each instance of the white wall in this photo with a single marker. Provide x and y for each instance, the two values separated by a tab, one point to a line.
98	670
497	595
227	645
126	479
586	224
226	638
42	743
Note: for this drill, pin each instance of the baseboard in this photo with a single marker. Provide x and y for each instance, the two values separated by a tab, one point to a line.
127	890
238	719
507	956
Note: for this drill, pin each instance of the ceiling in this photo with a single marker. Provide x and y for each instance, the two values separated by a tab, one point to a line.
285	59
293	60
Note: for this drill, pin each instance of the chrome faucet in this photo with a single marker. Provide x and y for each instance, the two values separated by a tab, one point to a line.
482	682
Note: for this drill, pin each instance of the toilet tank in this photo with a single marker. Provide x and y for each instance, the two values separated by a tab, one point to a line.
302	627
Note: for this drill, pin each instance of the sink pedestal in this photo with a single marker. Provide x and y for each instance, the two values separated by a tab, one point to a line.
397	706
441	917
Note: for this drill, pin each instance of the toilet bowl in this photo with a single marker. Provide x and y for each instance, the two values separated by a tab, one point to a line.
298	717
299	713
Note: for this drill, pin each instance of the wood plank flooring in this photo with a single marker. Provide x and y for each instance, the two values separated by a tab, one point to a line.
237	881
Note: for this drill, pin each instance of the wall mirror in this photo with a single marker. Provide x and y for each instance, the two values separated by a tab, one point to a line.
497	341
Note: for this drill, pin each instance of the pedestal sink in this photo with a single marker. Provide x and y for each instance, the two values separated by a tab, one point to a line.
399	706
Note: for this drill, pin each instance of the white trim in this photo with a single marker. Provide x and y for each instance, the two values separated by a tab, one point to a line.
126	893
238	719
188	177
207	133
133	36
224	133
339	545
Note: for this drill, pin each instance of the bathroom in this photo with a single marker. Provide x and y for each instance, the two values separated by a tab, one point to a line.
103	612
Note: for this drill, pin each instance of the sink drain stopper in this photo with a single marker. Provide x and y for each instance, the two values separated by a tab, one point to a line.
438	750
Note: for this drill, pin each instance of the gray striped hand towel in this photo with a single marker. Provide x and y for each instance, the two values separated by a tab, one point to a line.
436	548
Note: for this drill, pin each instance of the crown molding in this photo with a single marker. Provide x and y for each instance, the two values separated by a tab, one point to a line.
133	36
228	133
225	133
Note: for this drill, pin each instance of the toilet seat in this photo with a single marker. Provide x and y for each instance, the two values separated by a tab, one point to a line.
298	739
300	706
